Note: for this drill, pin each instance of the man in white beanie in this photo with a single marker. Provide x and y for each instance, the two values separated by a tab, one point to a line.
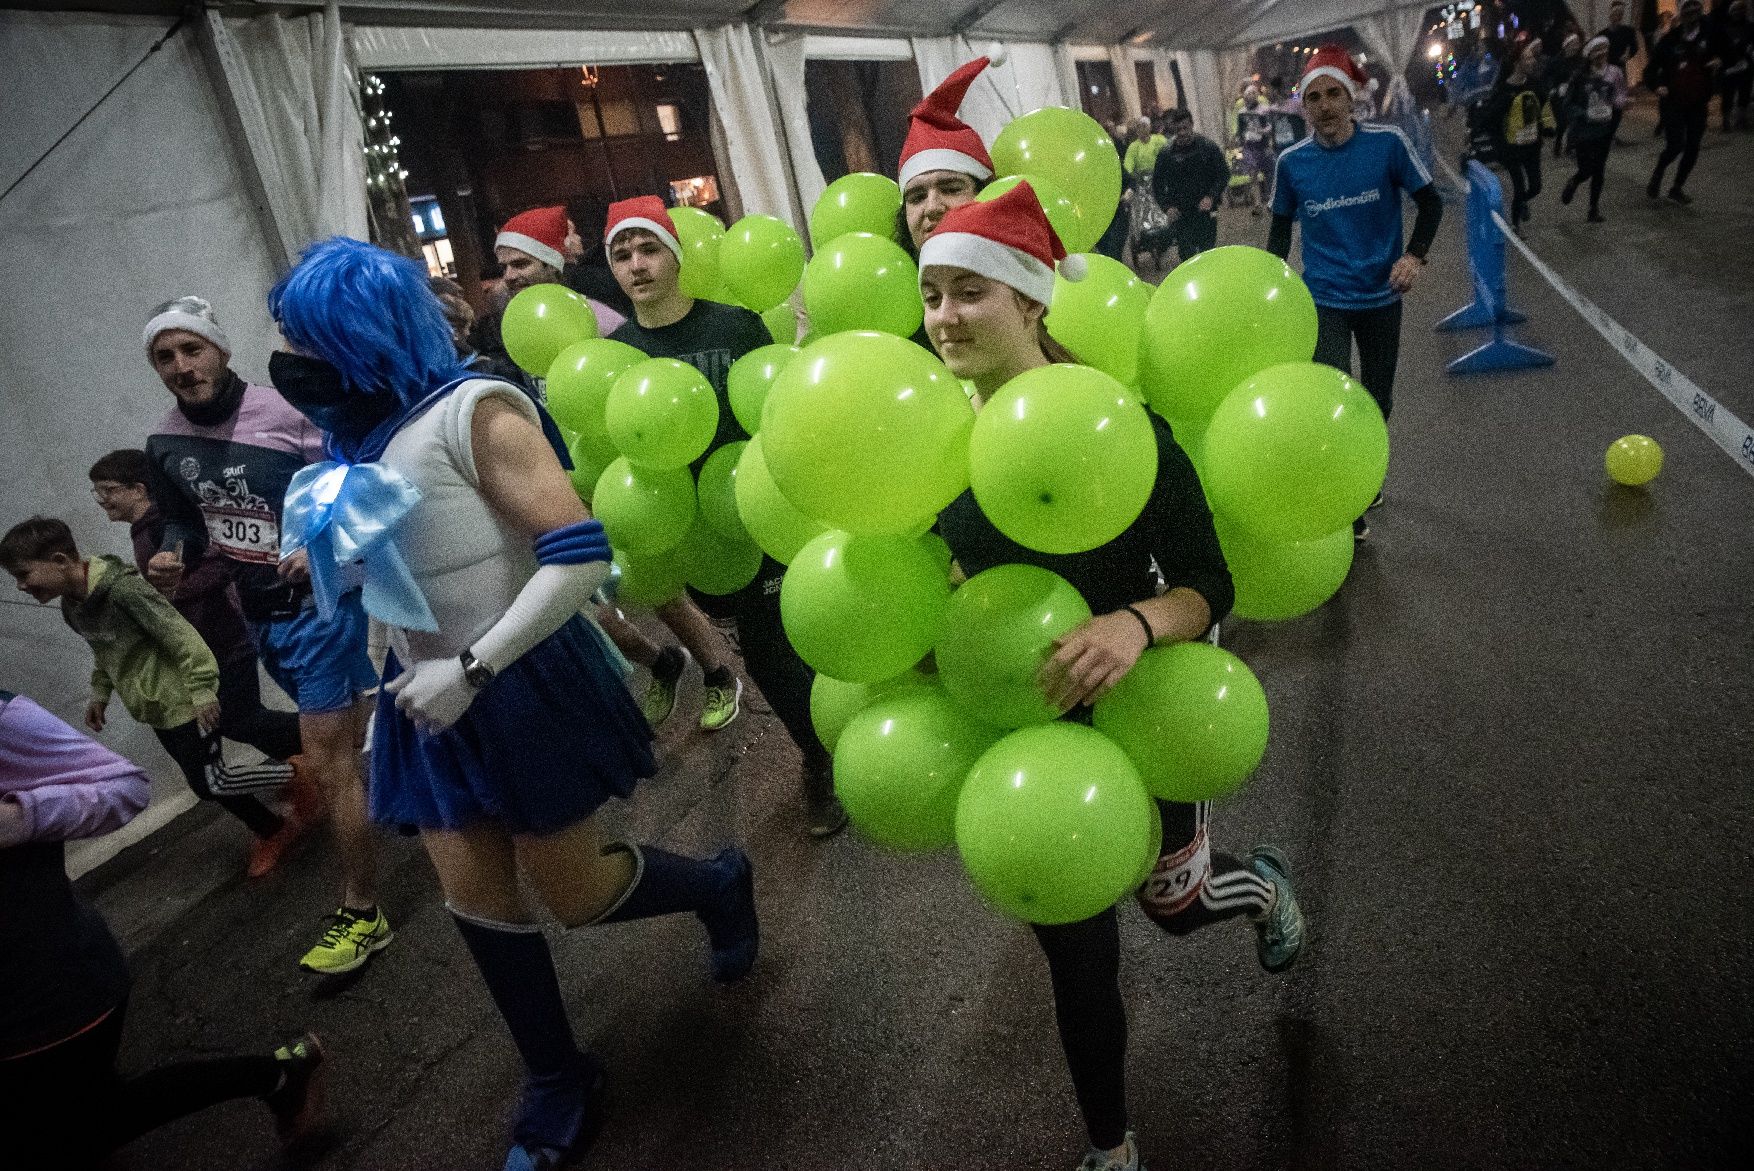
221	459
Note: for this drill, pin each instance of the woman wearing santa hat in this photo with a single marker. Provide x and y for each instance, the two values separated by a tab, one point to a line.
502	725
1344	184
987	277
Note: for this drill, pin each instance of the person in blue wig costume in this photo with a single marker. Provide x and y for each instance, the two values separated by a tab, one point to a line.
502	724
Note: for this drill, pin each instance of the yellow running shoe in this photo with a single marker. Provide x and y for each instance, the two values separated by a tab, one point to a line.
348	941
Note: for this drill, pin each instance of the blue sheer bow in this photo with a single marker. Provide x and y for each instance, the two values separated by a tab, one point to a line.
346	515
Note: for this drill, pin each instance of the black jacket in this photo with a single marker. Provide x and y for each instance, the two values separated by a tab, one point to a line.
1186	175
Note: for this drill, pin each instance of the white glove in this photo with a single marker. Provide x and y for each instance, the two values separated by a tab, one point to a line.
433	693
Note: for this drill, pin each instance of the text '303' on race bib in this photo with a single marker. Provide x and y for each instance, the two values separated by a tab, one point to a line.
243	534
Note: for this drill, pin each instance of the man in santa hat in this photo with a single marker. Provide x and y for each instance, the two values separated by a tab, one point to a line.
532	249
646	257
1344	184
943	161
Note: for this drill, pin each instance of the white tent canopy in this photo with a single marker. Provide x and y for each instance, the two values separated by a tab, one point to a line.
236	142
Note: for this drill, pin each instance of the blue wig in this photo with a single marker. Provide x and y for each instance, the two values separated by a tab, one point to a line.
371	314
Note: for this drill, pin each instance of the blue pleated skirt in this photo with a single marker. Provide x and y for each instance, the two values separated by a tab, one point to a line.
550	739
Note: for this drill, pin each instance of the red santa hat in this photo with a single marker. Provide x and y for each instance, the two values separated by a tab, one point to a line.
937	140
1007	239
646	212
1335	62
540	232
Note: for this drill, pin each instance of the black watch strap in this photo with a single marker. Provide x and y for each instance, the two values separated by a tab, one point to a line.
478	673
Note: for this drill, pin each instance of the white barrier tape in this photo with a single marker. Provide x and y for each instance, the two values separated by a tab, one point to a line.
1703	411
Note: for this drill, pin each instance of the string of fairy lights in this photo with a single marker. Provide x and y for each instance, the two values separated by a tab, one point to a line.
384	172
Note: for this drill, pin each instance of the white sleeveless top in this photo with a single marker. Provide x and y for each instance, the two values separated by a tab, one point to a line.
467	560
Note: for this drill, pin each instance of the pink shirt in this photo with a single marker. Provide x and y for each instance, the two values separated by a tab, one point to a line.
68	784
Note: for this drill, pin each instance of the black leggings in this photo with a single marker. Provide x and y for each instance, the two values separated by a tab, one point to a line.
1523	165
784	678
243	718
1592	165
1378	333
1084	962
1683	131
193	750
101	1110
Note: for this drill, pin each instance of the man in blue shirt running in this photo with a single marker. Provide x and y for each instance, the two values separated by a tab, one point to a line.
1344	182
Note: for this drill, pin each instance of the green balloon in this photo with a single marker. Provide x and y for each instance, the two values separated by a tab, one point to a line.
772	521
900	763
999	629
662	413
834	702
699	234
1276	580
588	465
1063	215
1192	717
782	324
940	551
868	432
716	564
1295	453
862	608
647	581
1072	151
1101	318
860	202
645	511
716	488
1052	824
862	281
1218	319
750	379
543	320
1062	459
579	382
761	259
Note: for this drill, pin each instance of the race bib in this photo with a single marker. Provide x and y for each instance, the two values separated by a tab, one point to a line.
1177	878
243	535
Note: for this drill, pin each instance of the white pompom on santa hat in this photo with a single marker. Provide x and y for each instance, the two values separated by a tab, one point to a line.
1335	62
540	232
646	213
937	140
1007	239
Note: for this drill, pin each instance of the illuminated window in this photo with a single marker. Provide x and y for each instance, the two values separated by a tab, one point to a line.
670	121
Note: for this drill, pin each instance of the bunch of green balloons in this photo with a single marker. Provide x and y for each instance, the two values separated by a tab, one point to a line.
863	608
900	764
661	413
541	321
998	631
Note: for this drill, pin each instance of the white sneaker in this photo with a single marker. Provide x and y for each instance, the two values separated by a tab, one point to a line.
1097	1160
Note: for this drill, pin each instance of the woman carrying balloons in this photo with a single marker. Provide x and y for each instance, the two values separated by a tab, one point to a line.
502	725
987	275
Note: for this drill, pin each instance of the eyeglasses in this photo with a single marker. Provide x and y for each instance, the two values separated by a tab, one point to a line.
106	491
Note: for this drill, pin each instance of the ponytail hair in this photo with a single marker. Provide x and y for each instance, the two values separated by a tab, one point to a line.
1052	350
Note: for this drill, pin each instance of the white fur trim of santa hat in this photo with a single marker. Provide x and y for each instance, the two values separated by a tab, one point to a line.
993	260
552	257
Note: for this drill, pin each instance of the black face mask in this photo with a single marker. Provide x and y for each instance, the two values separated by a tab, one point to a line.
317	390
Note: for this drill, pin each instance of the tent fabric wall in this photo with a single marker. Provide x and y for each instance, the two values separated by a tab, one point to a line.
738	81
1126	81
1030	77
140	204
785	57
294	95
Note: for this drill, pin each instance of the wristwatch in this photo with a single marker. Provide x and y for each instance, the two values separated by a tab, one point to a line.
478	673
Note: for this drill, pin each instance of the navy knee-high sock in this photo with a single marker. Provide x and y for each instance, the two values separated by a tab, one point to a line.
720	891
560	1082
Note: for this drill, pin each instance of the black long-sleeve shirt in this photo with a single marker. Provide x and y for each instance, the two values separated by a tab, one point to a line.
1184	175
1174	530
